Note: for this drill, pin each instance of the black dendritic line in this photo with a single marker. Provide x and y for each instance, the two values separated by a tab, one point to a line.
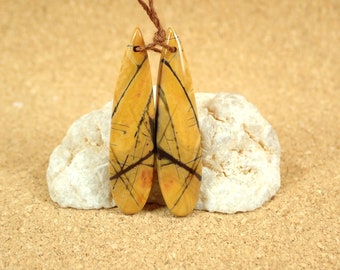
124	181
128	85
187	182
144	118
164	155
167	110
166	63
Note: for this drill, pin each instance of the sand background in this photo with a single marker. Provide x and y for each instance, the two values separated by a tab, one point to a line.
60	59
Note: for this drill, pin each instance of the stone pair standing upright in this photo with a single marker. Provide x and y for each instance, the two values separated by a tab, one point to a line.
161	135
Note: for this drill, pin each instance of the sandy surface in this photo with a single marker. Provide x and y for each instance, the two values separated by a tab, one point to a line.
60	59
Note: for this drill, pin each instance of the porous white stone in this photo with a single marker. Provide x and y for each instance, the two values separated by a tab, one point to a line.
241	155
241	158
77	174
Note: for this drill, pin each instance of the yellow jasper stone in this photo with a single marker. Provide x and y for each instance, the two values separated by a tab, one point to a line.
179	164
132	131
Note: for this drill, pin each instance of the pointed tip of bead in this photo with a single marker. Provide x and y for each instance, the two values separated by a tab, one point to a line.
137	38
137	31
172	39
171	32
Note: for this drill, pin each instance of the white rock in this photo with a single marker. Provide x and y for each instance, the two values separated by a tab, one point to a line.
241	158
77	175
241	155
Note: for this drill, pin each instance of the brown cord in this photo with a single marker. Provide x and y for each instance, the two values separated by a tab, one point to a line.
160	36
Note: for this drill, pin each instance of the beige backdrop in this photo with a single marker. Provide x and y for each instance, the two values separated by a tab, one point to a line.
60	59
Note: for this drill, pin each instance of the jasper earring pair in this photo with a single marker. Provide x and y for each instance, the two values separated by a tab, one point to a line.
148	135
